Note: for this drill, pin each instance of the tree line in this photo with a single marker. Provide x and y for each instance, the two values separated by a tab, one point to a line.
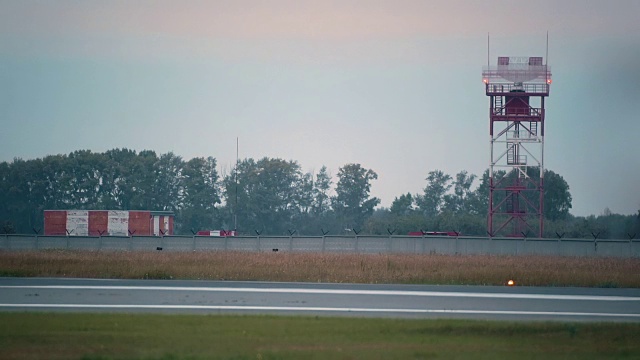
268	196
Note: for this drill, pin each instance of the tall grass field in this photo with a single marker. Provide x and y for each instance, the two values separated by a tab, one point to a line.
327	267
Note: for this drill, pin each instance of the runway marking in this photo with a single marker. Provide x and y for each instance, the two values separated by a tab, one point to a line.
317	309
333	292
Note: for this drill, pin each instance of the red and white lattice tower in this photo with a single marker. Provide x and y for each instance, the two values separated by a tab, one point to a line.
516	87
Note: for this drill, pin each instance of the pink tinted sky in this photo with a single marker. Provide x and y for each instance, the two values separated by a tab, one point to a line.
394	85
323	20
334	23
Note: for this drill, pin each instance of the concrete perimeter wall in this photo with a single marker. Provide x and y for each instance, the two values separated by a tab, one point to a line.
334	244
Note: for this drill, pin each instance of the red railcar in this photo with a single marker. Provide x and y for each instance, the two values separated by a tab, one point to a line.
219	233
434	233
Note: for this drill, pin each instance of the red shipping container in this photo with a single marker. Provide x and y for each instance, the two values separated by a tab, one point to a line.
98	222
55	222
139	222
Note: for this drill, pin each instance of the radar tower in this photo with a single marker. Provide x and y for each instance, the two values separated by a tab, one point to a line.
517	88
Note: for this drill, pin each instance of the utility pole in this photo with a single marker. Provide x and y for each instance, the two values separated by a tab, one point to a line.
235	212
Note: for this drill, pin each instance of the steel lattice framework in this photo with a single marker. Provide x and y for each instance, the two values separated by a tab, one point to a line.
517	88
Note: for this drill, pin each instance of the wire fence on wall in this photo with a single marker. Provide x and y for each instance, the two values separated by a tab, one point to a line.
336	244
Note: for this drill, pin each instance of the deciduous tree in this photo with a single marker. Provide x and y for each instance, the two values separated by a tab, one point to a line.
432	201
352	202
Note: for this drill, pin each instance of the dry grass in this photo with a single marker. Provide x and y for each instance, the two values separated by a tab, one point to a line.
327	267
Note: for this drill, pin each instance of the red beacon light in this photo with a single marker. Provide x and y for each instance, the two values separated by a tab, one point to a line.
485	80
548	81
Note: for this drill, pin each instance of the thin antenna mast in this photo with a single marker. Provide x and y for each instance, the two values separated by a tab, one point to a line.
235	213
546	61
488	63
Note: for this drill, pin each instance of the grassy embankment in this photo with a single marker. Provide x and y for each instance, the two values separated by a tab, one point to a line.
152	336
327	267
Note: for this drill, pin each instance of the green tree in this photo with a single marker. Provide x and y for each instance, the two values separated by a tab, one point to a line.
352	202
199	195
84	179
557	198
321	188
16	194
432	201
315	211
167	185
403	205
118	178
460	202
142	180
269	195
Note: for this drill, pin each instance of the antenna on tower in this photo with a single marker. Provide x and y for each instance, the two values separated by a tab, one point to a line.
488	63
546	60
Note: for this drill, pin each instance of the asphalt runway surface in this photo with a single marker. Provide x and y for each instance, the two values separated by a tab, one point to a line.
311	299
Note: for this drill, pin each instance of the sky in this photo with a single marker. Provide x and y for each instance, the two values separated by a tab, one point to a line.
395	86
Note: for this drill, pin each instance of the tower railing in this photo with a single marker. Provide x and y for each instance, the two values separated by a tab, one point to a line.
511	88
521	135
513	111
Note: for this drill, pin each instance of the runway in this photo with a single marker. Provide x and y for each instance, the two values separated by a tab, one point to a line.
402	301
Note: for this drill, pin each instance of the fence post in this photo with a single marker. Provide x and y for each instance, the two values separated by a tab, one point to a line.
130	243
323	242
193	247
389	245
291	243
356	245
37	245
100	243
457	245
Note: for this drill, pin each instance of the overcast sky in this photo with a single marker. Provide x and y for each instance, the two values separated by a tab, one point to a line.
393	85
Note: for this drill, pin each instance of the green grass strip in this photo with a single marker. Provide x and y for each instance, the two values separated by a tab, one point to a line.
163	336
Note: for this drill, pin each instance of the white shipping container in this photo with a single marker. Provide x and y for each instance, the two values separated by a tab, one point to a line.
156	225
78	222
118	223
